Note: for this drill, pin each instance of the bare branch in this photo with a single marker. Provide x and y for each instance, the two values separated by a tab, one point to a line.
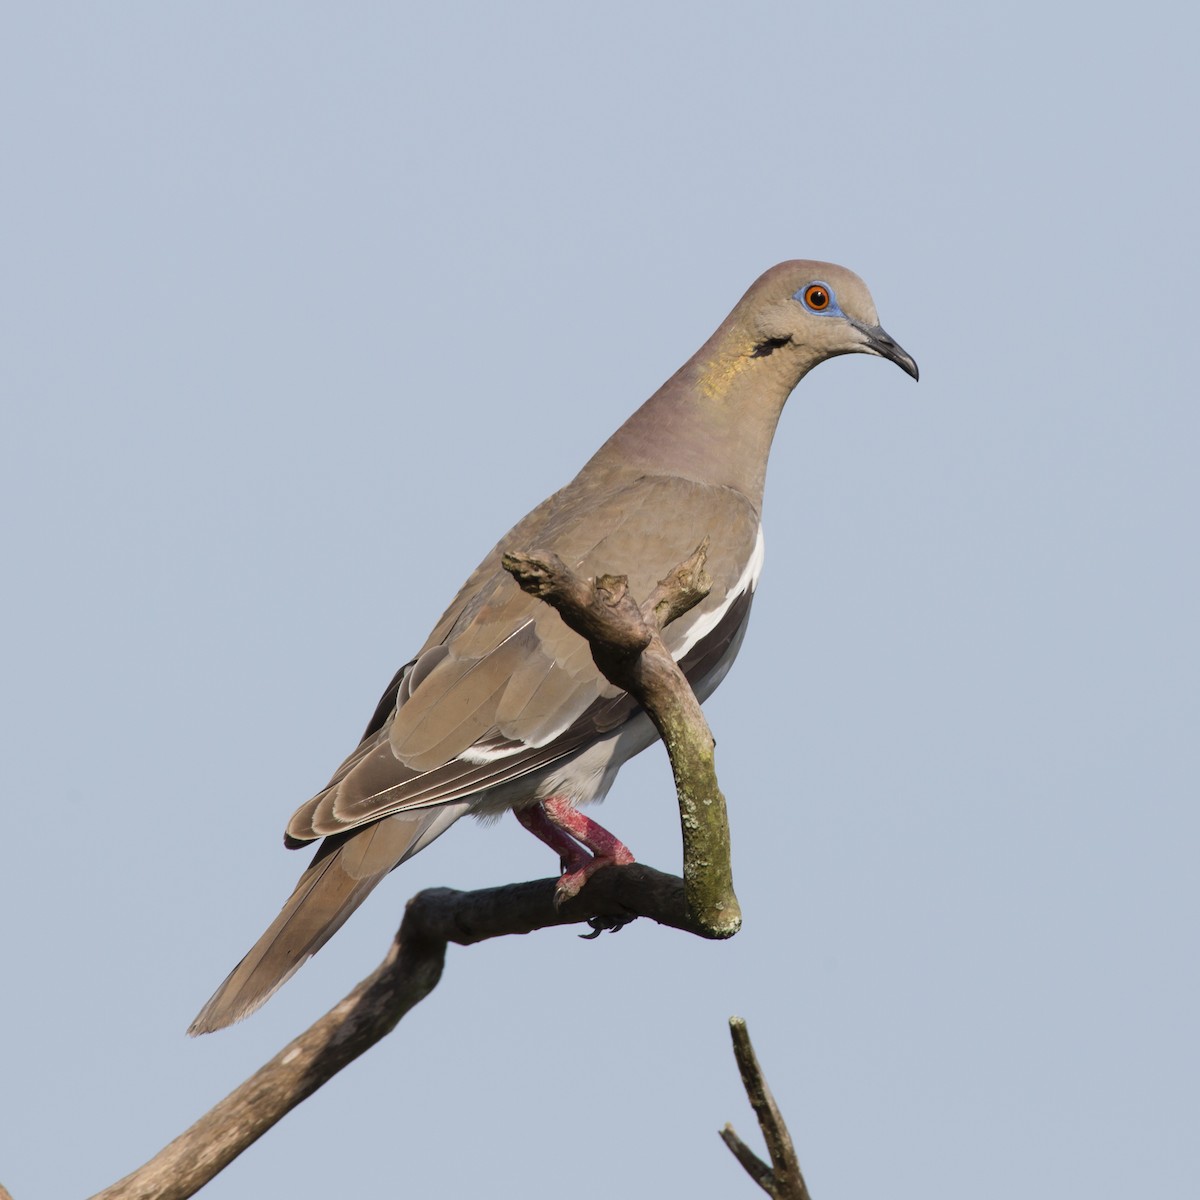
406	976
783	1178
628	650
627	647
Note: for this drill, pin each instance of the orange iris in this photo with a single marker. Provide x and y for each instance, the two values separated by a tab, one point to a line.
816	297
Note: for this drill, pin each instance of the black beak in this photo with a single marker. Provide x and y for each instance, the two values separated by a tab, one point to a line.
880	342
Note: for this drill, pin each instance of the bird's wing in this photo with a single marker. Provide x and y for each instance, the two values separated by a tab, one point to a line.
503	688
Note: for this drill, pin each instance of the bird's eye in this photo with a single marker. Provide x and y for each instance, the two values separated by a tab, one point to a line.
816	297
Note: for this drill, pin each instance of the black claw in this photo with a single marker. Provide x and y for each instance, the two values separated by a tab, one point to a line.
601	925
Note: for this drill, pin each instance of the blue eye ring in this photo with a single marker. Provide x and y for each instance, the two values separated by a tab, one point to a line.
818	298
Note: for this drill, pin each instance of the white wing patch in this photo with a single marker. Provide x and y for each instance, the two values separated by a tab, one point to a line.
480	756
746	583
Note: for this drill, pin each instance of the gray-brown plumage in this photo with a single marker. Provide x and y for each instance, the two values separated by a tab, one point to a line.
502	707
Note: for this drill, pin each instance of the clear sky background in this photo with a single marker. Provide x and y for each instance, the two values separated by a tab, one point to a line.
304	305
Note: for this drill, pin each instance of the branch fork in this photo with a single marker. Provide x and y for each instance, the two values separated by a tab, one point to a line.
782	1177
628	649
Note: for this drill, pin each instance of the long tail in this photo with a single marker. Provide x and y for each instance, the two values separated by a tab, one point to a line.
345	869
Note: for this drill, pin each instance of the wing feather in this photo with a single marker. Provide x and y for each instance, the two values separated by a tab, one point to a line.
508	690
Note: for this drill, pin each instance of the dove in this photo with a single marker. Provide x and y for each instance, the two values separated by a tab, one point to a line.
502	706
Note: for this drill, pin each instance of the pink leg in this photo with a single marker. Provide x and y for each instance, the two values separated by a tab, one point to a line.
567	831
571	855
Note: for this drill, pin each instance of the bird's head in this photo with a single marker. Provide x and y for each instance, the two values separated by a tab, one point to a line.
818	308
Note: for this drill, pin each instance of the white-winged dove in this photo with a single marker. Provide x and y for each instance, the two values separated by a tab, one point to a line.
503	707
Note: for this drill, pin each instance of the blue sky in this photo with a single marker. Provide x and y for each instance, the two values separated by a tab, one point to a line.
305	305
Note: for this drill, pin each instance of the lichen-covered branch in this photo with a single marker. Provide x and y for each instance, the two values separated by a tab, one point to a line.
627	648
782	1179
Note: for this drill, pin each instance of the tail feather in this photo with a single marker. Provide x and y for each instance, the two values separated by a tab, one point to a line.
343	872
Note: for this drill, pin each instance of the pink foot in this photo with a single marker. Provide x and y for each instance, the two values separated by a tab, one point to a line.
571	835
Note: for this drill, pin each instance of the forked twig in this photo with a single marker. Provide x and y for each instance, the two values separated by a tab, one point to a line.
781	1179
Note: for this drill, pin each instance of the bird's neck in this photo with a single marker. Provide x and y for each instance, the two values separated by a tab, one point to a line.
714	419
